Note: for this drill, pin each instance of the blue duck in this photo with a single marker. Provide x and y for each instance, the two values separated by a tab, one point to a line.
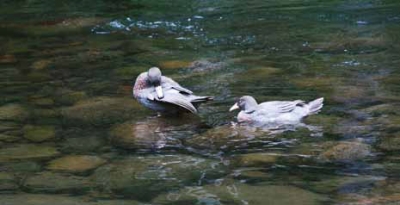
164	95
275	112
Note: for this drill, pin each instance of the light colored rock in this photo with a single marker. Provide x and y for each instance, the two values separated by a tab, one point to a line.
13	112
76	163
346	151
41	64
39	133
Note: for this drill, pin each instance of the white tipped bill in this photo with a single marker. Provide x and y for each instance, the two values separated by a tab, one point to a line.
234	107
159	92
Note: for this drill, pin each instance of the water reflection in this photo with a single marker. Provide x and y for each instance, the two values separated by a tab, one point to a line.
154	133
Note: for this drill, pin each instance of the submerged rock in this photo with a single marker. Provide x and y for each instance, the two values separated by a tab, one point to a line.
258	73
174	64
224	137
235	193
48	182
43	102
334	184
41	64
102	110
39	133
68	97
255	159
346	151
84	144
13	112
206	66
9	126
27	152
22	167
390	143
8	183
8	138
8	58
135	176
76	163
51	199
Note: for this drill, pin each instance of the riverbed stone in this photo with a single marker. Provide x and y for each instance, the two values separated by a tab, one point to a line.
9	138
8	58
173	64
49	182
27	152
22	167
257	73
9	126
223	137
43	102
203	66
102	110
8	183
84	144
41	64
237	193
346	151
135	176
39	133
76	163
334	184
13	112
255	159
52	199
390	142
70	97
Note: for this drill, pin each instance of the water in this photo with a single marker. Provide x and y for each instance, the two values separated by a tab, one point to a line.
71	132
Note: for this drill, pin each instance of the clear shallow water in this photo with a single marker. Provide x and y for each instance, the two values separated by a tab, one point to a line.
71	133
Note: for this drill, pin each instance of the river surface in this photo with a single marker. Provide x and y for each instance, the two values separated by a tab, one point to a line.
71	133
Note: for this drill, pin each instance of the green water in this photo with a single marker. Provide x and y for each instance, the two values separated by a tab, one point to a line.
71	133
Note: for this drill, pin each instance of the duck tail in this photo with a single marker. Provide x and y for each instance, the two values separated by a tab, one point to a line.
315	106
200	99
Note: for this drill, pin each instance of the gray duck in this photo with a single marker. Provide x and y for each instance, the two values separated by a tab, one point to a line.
164	95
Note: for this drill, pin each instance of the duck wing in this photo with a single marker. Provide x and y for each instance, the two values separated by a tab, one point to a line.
174	97
274	108
169	83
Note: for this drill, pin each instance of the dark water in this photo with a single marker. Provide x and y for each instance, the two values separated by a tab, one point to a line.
70	132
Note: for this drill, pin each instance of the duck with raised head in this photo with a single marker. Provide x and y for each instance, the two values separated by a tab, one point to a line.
164	95
275	112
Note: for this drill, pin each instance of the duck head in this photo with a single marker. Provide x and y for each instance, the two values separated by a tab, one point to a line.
246	103
154	78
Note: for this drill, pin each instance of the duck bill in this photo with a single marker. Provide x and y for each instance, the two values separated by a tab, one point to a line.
159	92
234	107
